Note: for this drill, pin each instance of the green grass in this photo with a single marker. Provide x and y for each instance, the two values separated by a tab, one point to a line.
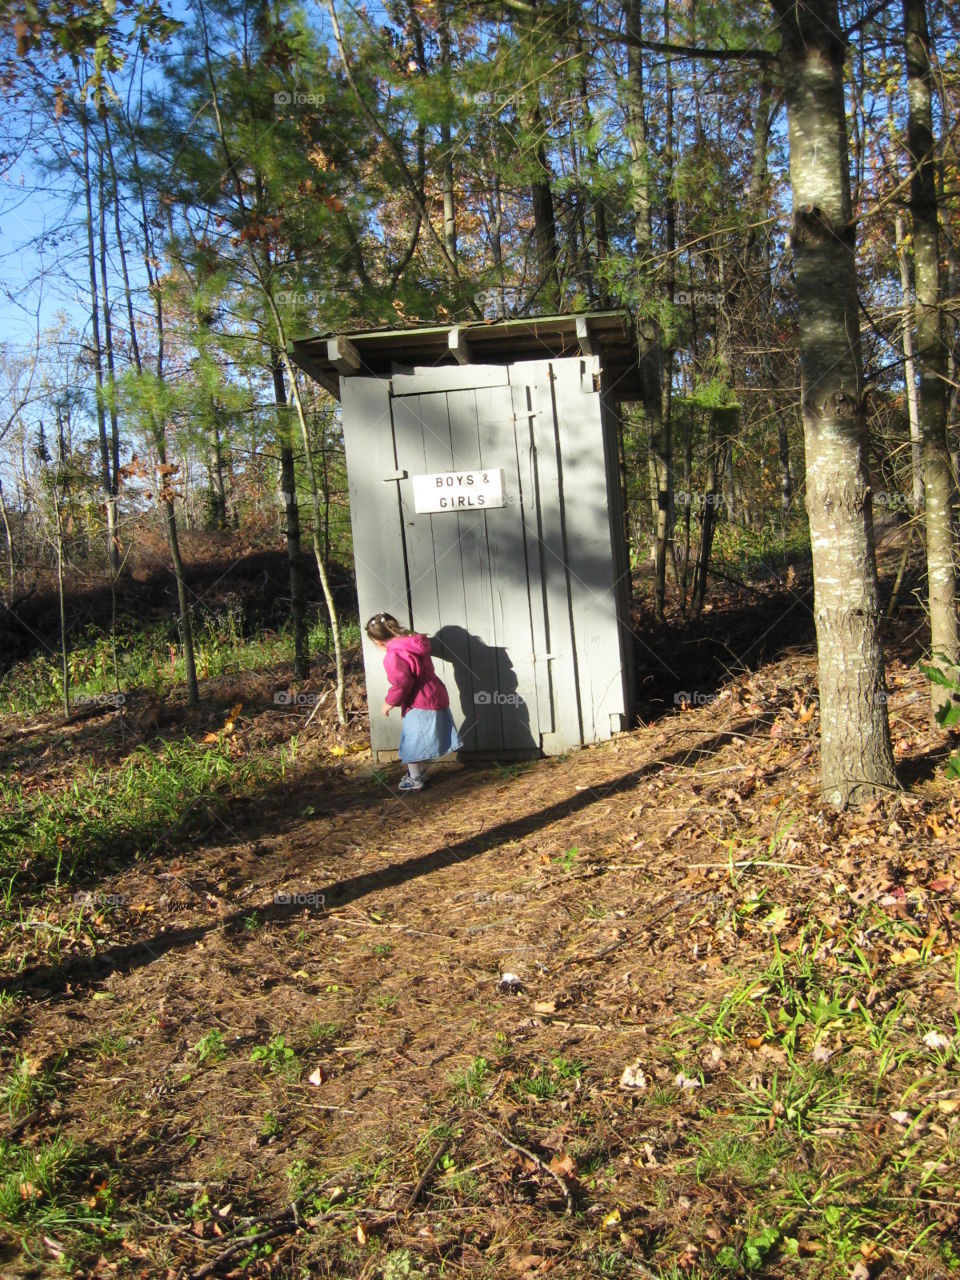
156	795
471	1083
144	659
25	1086
550	1080
52	1189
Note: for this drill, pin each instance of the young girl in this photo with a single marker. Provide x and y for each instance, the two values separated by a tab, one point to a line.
426	727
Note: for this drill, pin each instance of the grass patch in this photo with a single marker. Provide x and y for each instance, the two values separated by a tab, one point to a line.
155	796
52	1190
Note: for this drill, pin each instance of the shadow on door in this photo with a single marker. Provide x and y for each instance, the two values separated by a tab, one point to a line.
496	717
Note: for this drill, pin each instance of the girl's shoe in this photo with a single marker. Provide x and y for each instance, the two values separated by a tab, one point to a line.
410	784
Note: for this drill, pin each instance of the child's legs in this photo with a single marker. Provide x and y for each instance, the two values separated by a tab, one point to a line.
416	769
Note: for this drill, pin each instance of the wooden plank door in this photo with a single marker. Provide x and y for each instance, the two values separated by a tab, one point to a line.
467	570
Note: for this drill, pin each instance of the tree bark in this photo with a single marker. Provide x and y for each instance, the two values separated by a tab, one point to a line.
9	537
937	477
107	480
651	353
114	443
907	312
301	655
856	754
446	146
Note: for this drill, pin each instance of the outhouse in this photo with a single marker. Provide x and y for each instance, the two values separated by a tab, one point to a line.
487	509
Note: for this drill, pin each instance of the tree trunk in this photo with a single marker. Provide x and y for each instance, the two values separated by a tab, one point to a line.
651	355
220	492
114	476
910	365
937	478
446	147
301	654
9	537
907	318
722	422
186	625
856	754
545	227
317	548
105	471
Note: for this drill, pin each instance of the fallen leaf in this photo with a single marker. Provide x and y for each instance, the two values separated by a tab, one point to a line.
316	1076
633	1077
612	1220
528	1262
936	1040
565	1165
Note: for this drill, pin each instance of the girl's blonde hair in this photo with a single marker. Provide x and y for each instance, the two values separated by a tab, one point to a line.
384	626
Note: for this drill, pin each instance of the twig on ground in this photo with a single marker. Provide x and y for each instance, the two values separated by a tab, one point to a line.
285	1219
244	1242
514	1146
427	1174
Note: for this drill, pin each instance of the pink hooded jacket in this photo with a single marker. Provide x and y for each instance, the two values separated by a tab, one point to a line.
413	681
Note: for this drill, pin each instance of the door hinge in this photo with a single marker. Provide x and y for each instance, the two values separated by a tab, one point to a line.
394	475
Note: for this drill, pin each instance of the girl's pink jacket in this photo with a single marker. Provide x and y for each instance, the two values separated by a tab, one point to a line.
413	681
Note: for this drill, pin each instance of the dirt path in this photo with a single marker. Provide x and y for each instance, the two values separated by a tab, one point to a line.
611	883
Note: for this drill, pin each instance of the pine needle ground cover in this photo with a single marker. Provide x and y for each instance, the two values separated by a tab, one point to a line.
646	1010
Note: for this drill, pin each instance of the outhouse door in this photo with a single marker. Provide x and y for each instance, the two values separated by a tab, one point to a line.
460	526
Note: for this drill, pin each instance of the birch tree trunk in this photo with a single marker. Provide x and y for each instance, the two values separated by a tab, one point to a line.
937	478
856	755
907	309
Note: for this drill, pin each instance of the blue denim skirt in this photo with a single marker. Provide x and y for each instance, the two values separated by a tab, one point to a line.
425	735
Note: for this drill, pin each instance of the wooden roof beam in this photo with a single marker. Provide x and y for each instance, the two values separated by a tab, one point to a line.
343	355
583	337
457	343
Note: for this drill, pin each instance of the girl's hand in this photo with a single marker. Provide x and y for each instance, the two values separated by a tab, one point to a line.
387	708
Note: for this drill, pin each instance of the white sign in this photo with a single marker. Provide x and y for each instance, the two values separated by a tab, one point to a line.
458	491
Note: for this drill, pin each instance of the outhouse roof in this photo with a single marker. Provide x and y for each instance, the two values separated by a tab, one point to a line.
611	335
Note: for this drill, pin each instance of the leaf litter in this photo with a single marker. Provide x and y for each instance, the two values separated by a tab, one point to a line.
719	1038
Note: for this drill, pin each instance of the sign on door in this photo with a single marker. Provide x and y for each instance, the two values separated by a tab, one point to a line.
458	491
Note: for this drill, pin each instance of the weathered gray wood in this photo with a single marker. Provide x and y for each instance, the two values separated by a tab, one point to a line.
377	531
589	553
616	504
516	679
442	453
552	536
457	342
344	355
472	628
524	410
426	379
583	336
417	427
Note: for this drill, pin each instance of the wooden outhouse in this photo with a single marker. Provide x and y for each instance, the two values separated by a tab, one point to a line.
487	510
